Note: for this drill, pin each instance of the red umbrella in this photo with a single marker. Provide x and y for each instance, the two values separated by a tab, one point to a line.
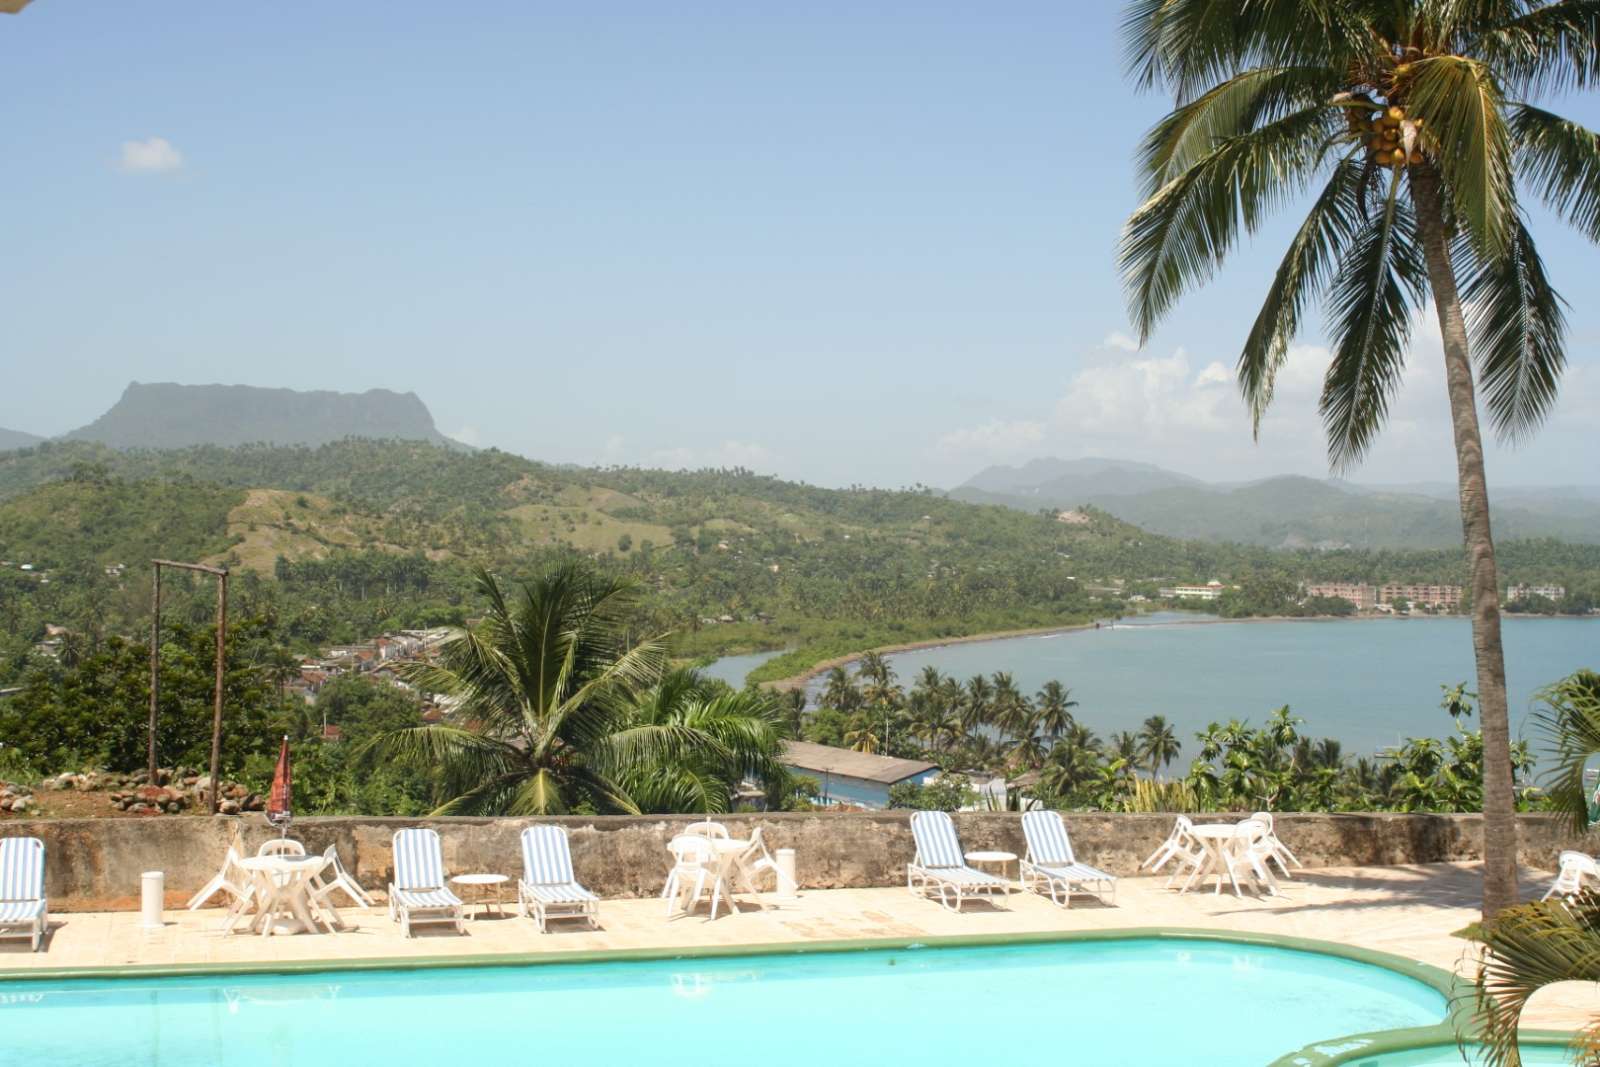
278	800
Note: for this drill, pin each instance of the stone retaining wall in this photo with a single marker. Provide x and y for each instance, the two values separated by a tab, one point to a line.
95	864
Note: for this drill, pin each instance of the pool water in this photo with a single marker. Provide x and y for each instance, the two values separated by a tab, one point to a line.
1112	1002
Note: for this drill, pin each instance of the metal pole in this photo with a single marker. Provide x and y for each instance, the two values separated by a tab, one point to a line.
216	711
155	660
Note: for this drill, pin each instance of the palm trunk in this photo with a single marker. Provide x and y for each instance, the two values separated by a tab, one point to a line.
1499	804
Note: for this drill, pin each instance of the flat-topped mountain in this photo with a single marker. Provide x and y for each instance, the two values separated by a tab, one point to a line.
17	439
168	415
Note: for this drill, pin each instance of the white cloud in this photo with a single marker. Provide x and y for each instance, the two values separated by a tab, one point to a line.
996	438
1120	341
153	155
467	435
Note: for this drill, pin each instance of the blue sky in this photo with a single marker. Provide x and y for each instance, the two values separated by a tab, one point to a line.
840	242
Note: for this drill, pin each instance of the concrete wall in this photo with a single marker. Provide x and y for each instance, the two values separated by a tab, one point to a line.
94	864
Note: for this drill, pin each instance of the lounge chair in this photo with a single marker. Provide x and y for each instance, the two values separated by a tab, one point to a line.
1050	863
23	909
1575	868
940	867
548	889
418	893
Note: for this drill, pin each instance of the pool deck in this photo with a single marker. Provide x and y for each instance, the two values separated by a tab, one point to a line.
1407	911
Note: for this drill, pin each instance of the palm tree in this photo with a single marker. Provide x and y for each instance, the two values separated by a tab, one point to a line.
977	709
840	692
1158	744
1054	705
1125	746
545	684
732	735
1359	102
1568	721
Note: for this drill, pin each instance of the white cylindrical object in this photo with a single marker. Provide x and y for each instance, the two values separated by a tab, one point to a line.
786	882
152	899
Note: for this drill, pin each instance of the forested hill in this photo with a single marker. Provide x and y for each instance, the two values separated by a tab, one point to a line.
167	415
345	540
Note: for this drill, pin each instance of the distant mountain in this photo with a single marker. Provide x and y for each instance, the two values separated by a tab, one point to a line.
167	415
1286	512
10	439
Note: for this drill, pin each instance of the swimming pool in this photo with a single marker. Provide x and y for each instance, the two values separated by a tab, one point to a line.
1102	1002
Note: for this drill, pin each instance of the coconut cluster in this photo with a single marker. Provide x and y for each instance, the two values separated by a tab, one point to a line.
1391	137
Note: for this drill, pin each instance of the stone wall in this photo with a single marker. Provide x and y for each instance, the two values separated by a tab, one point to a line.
94	864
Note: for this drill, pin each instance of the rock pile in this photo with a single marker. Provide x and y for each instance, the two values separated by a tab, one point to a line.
16	798
174	791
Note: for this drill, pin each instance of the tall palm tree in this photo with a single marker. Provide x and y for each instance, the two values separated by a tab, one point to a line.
977	710
1411	123
1158	744
1054	705
545	684
840	691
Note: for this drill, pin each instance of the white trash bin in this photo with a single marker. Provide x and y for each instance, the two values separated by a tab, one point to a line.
152	899
786	882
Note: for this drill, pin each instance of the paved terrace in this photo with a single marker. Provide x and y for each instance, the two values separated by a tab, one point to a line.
1409	911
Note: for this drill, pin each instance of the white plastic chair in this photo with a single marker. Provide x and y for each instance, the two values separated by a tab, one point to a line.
281	846
694	863
1574	868
24	911
754	860
1181	845
231	879
1278	851
1249	855
714	830
333	878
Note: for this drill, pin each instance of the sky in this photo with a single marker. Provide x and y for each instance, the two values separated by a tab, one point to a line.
840	242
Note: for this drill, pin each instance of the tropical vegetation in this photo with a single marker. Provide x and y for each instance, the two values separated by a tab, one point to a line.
1413	127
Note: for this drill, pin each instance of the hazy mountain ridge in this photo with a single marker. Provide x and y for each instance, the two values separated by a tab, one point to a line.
169	415
1287	511
10	439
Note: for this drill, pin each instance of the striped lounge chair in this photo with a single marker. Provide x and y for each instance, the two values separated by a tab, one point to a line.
418	893
548	889
941	868
1050	863
23	911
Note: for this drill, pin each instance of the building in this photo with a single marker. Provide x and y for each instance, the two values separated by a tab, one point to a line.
1212	590
1362	595
1437	597
1549	592
850	777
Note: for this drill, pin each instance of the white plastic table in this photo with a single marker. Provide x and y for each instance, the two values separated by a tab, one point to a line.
1217	838
996	857
484	882
282	885
728	850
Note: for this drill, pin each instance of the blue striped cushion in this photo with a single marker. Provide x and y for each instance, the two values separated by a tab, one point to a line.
1047	838
571	893
21	868
546	859
21	911
1075	872
418	864
937	844
426	898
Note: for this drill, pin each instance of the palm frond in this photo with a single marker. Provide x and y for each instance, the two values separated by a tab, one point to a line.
1518	329
1550	49
1380	277
1467	137
1528	947
1560	160
1334	218
1182	232
1567	721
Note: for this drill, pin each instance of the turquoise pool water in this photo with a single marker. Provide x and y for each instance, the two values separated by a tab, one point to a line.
1082	1002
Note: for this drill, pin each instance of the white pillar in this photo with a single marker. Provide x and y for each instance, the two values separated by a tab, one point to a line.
152	899
786	882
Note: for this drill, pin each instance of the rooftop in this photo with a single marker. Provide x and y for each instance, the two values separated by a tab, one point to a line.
852	764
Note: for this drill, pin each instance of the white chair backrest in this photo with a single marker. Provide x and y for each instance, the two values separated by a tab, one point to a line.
937	843
418	862
756	847
21	869
1047	838
706	829
546	857
1251	831
281	846
690	850
1263	817
1581	862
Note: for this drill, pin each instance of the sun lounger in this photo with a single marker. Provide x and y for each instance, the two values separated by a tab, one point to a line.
418	893
940	867
1049	861
23	910
548	889
1576	867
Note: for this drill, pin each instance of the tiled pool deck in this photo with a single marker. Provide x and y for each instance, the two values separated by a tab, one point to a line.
1408	911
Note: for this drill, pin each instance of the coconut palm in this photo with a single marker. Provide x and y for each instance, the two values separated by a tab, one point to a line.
725	736
1054	705
1158	744
1526	948
1568	721
545	686
840	691
978	708
1410	124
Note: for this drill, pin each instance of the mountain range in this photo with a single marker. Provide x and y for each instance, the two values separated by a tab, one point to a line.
1283	512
